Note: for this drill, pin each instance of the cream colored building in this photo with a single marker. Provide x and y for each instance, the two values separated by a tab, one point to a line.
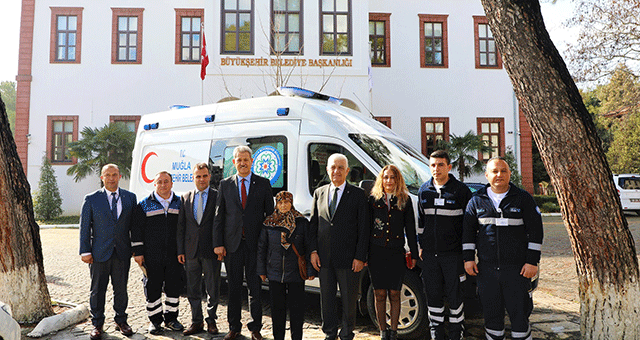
435	70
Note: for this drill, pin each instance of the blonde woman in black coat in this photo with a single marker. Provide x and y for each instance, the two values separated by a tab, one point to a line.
392	218
278	262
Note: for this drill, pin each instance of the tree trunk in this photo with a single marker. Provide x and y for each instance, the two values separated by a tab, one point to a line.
571	151
23	285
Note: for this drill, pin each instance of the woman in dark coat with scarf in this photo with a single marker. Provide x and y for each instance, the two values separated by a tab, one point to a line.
392	218
285	229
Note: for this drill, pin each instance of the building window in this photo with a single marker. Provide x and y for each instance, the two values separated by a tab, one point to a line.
126	47
61	130
286	27
434	130
131	122
335	27
237	23
492	132
66	31
379	39
487	55
433	41
386	120
188	31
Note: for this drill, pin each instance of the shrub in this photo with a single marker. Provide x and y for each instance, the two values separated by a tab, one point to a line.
547	203
47	200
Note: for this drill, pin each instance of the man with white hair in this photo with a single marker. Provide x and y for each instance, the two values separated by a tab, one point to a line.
340	234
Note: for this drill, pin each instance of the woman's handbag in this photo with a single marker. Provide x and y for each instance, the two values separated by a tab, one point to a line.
302	263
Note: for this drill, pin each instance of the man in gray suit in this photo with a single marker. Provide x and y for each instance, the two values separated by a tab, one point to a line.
340	227
244	200
105	244
195	249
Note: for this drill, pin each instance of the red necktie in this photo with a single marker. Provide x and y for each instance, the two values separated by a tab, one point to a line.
244	194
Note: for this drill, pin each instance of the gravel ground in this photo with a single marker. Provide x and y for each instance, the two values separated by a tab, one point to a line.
556	314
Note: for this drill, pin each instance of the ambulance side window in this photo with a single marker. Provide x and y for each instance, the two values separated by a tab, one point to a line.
270	158
318	155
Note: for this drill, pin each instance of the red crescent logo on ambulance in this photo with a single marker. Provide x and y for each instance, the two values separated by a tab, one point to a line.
143	169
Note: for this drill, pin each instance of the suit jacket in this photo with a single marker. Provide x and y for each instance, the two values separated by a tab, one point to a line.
345	237
100	233
196	240
231	218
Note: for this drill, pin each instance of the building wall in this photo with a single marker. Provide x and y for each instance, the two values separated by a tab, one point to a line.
96	89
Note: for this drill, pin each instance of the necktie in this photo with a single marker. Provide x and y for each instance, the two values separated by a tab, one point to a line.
243	188
199	209
334	203
114	205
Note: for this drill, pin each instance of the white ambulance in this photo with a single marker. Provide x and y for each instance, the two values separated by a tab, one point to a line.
291	135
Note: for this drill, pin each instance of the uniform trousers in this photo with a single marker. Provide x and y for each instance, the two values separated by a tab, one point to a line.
118	271
210	267
442	275
283	295
243	261
163	276
501	288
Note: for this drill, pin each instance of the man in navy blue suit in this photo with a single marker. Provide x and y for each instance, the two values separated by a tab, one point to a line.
243	202
105	244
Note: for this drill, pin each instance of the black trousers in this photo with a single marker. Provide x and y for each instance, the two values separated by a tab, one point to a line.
442	277
505	288
243	261
167	277
211	269
330	278
118	271
283	294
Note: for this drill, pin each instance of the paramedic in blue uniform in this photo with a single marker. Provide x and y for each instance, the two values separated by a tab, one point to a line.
503	224
153	238
442	201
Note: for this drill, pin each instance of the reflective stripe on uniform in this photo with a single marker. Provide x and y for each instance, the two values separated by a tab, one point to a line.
443	212
468	246
492	220
535	246
154	212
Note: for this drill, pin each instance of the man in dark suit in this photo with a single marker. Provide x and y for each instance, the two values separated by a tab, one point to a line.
340	224
244	200
105	244
195	250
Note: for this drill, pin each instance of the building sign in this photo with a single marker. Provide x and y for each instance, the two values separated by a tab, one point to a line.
286	62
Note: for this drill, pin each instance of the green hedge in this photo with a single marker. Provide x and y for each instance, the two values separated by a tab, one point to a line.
547	203
61	220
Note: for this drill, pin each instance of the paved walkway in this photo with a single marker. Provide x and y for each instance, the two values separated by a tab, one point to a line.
68	277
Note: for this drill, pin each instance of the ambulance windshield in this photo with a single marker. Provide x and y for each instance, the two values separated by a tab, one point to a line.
412	164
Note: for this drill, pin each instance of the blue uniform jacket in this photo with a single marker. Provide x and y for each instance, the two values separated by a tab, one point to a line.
518	238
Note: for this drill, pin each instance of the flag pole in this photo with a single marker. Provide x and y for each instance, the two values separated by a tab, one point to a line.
204	61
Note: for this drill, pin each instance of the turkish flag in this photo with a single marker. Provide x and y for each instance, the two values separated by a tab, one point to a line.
204	57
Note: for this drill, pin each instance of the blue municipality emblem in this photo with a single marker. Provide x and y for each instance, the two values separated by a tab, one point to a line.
267	163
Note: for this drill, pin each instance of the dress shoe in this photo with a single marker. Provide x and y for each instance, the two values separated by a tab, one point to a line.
195	328
232	335
212	328
255	335
174	325
155	329
124	328
96	333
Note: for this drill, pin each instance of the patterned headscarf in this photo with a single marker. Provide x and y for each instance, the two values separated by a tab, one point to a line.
283	220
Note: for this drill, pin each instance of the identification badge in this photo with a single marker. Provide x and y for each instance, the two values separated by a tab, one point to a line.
502	222
438	202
